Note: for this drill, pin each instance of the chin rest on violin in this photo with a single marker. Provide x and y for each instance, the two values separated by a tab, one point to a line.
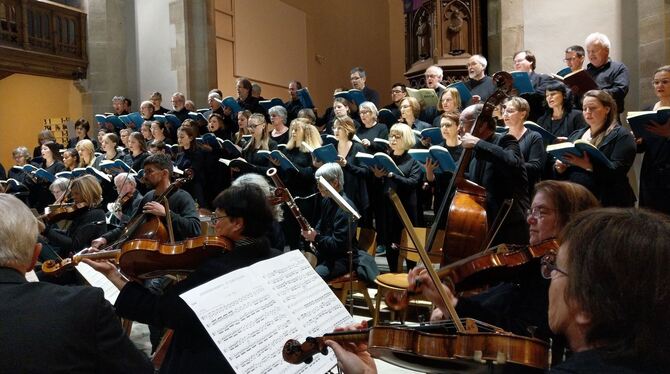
148	258
436	348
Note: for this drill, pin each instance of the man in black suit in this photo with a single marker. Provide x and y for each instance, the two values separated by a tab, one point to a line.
46	328
358	78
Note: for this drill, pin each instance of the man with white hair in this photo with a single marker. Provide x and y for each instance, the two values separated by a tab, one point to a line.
480	85
610	76
433	76
71	329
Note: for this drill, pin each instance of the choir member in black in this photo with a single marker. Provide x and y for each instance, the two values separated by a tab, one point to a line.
159	132
293	105
244	97
525	61
610	185
21	157
145	130
137	147
389	229
450	102
497	165
440	181
515	112
81	128
341	108
332	233
480	85
39	187
86	150
370	130
560	118
70	159
178	109
43	137
157	99
244	216
87	223
612	270
217	126
354	172
109	145
279	131
243	129
128	200
358	78
655	172
191	156
127	105
117	106
610	76
260	140
299	182
101	132
398	93
410	109
147	111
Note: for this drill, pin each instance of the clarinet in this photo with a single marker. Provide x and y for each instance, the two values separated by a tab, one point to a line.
282	193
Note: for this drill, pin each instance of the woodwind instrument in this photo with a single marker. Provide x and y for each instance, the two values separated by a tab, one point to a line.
283	194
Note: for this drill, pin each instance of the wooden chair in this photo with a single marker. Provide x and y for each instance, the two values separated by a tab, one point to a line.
367	241
390	282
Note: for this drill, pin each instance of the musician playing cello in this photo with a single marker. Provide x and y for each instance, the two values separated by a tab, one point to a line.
243	215
185	220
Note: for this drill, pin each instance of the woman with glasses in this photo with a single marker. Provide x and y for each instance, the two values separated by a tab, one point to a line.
520	303
655	171
389	225
260	140
440	181
515	112
609	292
608	183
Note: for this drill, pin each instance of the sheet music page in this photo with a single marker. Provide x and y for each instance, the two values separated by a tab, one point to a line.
96	279
251	312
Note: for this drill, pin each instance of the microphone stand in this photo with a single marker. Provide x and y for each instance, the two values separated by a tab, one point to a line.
352	216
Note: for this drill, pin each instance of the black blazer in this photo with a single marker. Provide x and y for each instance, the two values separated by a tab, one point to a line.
54	329
610	186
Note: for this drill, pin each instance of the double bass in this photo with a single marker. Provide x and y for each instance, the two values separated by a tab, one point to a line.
466	220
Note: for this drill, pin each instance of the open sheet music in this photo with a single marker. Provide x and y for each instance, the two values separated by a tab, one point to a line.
251	312
96	279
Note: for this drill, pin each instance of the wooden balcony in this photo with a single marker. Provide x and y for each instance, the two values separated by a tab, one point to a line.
42	38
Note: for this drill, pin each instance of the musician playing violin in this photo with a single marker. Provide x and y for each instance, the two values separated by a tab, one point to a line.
243	214
129	198
88	221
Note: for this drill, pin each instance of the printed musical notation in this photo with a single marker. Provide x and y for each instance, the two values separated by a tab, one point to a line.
251	312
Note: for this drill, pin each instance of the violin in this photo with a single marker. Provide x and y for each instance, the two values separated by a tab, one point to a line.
435	348
59	212
121	202
147	258
493	265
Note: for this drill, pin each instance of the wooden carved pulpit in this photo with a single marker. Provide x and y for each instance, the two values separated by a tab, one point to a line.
444	33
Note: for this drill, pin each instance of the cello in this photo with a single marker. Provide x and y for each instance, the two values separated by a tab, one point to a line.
466	224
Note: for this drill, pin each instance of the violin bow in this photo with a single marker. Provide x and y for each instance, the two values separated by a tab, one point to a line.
497	223
426	260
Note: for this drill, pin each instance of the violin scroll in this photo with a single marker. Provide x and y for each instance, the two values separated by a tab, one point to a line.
296	353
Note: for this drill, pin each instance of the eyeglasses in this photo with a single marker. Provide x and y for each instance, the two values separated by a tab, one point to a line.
365	111
568	59
656	82
396	91
214	218
395	136
548	266
538	213
252	127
